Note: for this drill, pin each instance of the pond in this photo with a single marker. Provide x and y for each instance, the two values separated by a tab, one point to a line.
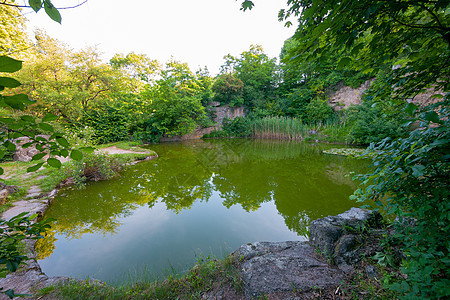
198	198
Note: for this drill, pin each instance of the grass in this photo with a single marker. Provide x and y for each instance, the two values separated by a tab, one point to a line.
206	276
47	178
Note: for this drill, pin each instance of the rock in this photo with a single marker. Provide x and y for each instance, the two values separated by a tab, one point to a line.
372	272
26	154
10	188
286	266
326	234
348	250
3	196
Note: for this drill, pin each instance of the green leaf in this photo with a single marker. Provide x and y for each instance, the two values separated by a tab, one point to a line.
9	82
87	149
418	170
9	65
343	62
64	152
7	120
46	127
410	109
35	167
18	101
63	142
36	5
432	116
38	156
247	5
12	265
55	163
10	146
49	118
27	118
52	12
1	171
76	155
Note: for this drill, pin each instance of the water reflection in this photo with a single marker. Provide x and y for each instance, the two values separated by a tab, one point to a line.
219	191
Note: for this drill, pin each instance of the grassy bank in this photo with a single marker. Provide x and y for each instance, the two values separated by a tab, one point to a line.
207	276
96	166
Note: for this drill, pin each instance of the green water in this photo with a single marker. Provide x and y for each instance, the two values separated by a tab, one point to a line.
197	199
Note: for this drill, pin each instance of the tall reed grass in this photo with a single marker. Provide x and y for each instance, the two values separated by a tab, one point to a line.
284	128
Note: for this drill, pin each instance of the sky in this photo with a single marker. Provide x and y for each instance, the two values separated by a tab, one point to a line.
199	32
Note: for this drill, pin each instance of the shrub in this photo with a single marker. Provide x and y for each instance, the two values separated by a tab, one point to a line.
369	124
238	127
412	177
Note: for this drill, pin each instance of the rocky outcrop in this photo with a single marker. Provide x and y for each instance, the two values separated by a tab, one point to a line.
269	268
274	268
25	153
346	96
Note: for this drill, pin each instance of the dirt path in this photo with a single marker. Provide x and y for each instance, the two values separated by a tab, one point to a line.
115	150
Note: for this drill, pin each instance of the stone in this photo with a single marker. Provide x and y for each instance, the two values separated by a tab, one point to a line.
3	196
269	267
348	250
326	234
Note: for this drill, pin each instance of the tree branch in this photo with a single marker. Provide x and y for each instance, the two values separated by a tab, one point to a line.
3	2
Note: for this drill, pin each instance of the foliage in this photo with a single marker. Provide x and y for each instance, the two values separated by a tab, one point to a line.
237	127
318	111
93	167
12	31
257	73
411	179
175	100
138	68
228	90
13	234
369	124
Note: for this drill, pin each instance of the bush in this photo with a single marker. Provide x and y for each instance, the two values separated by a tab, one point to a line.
238	127
411	180
369	124
318	111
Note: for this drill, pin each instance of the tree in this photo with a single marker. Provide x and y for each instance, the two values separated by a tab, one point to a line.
13	37
175	100
228	89
257	72
139	68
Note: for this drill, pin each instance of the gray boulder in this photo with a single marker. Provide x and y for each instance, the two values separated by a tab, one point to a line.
269	267
337	238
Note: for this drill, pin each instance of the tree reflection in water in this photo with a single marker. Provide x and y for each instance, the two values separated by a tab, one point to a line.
303	183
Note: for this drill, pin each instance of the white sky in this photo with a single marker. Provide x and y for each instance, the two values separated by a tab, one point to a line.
199	32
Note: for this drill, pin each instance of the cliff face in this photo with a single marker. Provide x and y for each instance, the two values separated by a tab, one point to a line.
346	96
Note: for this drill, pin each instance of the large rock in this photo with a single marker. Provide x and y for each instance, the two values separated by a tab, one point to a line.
269	267
334	236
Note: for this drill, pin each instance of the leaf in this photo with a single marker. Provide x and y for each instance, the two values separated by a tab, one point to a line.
9	82
64	152
1	171
27	118
63	142
52	12
76	155
10	146
432	116
46	127
247	5
418	170
38	156
35	167
343	62
49	117
410	109
12	265
17	101
87	149
9	65
55	163
36	5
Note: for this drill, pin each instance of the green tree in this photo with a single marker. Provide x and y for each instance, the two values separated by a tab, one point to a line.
228	89
13	36
175	100
138	68
257	72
